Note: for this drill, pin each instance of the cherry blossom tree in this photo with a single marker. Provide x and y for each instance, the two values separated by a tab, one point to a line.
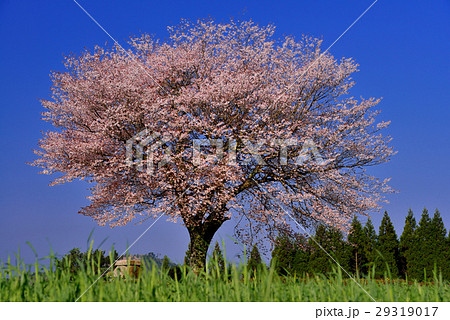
262	99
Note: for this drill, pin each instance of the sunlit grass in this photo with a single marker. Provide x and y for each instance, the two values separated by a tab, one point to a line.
41	282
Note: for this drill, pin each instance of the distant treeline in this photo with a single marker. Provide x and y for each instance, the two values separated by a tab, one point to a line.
422	252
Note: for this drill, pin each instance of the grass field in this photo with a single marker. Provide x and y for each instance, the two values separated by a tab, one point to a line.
22	283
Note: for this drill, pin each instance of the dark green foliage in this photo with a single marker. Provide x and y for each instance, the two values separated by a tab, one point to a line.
173	270
302	258
423	249
254	262
283	254
76	261
291	255
175	273
165	263
332	241
152	259
358	258
428	249
217	262
438	237
319	261
387	244
406	245
421	252
370	244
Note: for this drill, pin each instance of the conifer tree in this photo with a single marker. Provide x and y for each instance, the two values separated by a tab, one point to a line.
422	252
370	244
319	262
358	259
438	240
217	258
302	257
283	254
165	263
339	249
332	241
388	248
255	261
406	245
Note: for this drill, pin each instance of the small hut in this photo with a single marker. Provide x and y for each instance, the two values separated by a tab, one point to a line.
130	266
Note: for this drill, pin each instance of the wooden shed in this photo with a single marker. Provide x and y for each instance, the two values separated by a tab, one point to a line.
131	267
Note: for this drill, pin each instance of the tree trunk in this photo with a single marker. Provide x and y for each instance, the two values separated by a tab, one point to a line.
200	239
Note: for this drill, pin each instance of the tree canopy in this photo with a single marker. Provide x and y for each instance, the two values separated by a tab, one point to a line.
130	122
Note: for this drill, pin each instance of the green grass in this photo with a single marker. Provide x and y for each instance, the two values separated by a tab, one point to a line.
19	282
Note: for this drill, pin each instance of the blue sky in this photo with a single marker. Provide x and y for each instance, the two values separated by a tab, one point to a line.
402	48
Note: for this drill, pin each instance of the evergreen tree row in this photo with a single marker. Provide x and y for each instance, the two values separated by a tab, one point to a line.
421	253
